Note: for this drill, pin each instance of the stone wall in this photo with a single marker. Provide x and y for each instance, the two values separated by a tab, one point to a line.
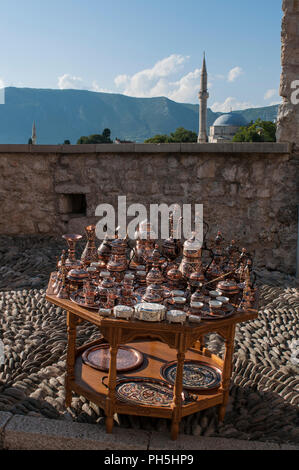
288	117
248	190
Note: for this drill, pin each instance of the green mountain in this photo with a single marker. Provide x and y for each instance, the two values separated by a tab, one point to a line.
70	114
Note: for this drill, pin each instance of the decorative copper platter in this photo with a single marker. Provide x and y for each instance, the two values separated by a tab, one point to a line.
197	375
78	298
98	357
228	312
140	291
147	392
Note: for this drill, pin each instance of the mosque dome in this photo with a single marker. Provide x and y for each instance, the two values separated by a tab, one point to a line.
231	119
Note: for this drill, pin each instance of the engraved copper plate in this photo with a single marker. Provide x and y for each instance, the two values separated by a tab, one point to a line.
147	392
98	357
78	298
197	375
227	311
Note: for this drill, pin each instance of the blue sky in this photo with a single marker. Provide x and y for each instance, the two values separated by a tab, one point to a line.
145	47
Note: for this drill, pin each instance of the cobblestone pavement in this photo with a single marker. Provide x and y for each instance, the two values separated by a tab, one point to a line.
264	393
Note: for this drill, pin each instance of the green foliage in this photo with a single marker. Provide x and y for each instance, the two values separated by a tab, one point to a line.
103	138
180	135
30	141
67	142
158	139
258	131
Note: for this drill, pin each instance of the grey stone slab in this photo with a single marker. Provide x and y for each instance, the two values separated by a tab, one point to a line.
115	148
162	442
29	433
4	418
46	148
157	148
289	447
243	147
14	148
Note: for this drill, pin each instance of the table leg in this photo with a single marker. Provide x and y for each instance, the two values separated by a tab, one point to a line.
110	400
201	342
177	401
227	370
71	357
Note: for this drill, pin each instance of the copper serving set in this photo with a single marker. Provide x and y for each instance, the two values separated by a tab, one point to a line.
172	275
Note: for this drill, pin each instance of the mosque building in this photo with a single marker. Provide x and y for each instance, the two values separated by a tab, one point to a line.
225	127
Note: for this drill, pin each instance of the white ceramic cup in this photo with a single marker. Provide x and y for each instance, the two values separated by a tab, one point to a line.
215	293
224	300
215	304
197	305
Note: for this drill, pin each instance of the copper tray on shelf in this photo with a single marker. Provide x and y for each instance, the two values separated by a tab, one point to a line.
197	375
147	391
98	357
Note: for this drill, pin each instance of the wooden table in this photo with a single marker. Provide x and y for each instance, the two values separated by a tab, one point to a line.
160	343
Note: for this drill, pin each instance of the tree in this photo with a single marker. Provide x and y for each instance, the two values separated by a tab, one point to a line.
106	135
30	141
67	142
158	139
183	135
258	131
103	138
180	135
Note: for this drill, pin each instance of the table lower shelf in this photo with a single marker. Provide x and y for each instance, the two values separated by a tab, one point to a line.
88	381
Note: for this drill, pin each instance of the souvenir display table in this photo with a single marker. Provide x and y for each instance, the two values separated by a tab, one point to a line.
157	366
186	341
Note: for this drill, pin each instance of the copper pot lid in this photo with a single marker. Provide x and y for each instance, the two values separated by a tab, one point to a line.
174	274
77	275
197	277
228	286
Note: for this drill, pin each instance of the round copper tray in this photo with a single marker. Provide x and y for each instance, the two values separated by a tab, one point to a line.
206	315
77	298
197	375
140	291
98	357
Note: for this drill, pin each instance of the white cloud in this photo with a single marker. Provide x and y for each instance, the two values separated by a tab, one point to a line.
2	84
66	82
154	81
234	73
273	95
69	82
269	94
186	89
231	104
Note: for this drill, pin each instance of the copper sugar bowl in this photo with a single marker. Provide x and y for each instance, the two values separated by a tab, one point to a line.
154	290
76	278
107	285
228	288
191	256
155	259
118	261
197	278
174	277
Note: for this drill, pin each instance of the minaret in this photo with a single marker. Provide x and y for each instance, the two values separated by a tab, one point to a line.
203	104
33	134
